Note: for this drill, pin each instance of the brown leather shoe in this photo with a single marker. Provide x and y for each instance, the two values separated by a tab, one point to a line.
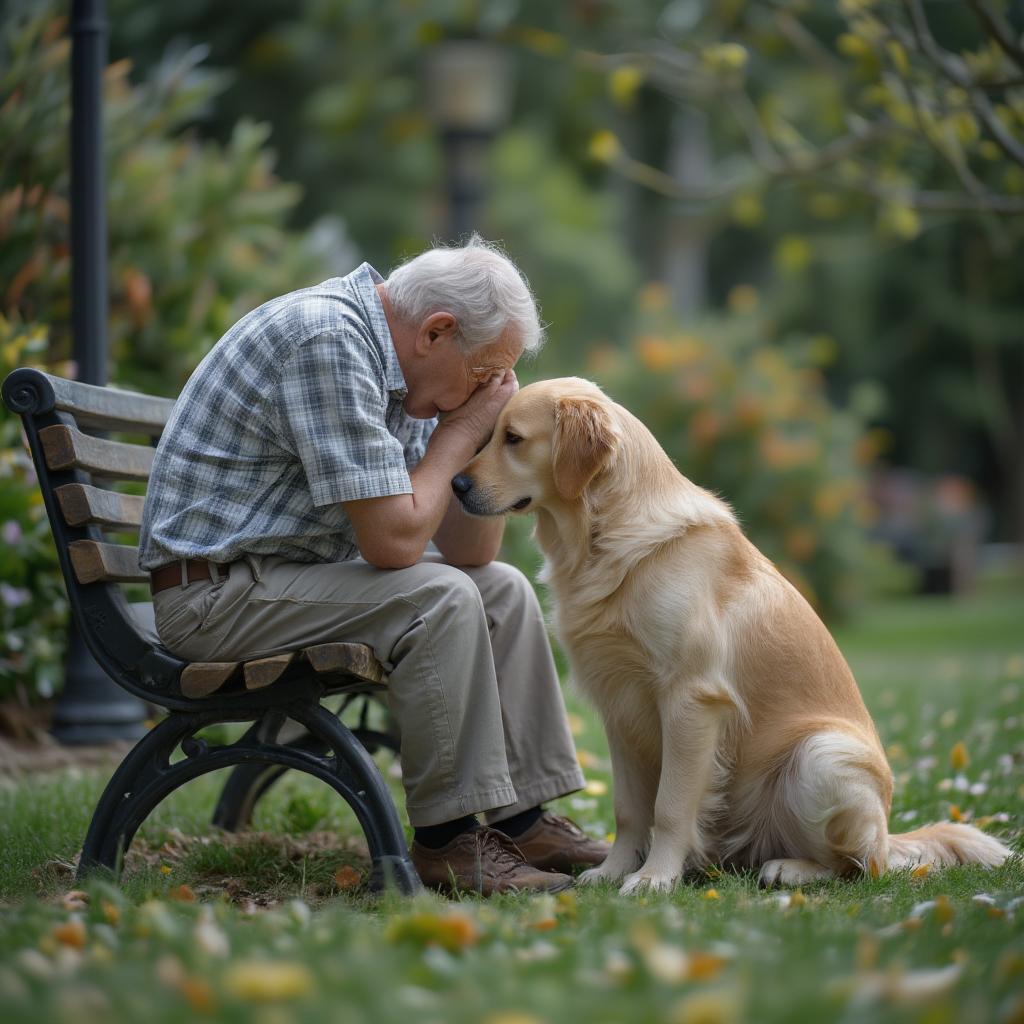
554	843
483	860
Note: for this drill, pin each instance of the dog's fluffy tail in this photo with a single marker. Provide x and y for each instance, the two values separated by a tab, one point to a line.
945	844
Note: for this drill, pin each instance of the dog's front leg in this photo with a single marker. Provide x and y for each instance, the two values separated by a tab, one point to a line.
634	785
690	729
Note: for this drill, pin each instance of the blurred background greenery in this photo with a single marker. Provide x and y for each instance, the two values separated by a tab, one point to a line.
786	234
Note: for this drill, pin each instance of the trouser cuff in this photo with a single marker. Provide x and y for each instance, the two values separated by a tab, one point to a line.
531	796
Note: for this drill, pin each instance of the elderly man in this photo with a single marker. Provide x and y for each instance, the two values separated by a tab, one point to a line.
294	493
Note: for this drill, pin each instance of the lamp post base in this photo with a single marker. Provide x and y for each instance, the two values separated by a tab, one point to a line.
92	708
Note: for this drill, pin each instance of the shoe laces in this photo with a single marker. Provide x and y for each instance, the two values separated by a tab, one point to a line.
565	824
503	851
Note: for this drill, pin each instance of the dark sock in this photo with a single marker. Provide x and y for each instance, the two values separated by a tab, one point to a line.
436	836
518	823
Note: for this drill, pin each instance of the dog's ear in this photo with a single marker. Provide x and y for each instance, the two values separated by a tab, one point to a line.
584	439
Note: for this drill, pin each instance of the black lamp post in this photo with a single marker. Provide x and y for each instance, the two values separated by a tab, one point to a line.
469	94
91	708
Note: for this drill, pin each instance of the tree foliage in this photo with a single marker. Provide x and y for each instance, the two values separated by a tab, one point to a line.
197	239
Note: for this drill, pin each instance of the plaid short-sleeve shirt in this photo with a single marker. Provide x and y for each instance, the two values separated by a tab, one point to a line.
296	409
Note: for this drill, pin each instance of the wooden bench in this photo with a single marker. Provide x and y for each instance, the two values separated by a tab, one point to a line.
68	426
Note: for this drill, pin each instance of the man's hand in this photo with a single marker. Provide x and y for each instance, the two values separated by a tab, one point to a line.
476	417
393	532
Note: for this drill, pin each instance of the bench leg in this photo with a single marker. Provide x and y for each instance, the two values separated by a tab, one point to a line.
249	782
147	776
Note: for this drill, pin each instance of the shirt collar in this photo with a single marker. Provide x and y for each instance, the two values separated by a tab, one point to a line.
364	281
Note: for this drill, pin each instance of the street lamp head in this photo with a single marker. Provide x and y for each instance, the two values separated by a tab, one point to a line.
469	86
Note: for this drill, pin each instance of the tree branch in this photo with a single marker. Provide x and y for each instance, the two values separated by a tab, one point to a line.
952	67
999	30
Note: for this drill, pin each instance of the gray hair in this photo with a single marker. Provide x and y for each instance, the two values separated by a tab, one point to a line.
477	283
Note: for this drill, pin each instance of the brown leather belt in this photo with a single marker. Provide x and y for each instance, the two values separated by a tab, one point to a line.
196	569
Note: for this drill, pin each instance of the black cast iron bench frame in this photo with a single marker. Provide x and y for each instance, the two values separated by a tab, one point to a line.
67	425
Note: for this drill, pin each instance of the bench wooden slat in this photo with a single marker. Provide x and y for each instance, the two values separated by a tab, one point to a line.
83	504
95	562
265	671
106	408
355	659
201	678
67	448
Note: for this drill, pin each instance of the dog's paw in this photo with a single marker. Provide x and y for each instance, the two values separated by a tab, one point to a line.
595	876
642	881
792	872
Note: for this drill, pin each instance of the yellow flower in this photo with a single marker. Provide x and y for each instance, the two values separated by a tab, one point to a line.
595	787
725	57
721	1006
265	981
712	894
747	209
623	84
743	298
70	933
655	354
853	46
654	297
450	931
604	147
958	757
793	254
704	966
900	220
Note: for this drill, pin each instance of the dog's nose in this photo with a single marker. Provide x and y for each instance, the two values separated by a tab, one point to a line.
462	484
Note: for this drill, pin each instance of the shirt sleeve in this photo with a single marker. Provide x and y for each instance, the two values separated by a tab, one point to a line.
332	406
416	446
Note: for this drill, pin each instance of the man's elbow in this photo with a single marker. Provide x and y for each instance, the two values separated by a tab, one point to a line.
391	553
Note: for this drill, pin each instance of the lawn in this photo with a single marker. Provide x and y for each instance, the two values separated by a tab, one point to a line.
273	926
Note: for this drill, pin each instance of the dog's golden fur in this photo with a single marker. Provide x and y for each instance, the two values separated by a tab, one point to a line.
737	732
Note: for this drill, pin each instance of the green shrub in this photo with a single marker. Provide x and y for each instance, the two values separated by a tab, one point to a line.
33	603
197	238
748	417
197	234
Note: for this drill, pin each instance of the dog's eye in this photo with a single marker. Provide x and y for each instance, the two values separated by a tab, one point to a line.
511	438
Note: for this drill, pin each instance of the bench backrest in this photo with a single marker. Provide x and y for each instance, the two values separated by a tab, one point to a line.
67	425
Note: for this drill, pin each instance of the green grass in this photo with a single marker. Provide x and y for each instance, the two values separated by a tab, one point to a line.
934	673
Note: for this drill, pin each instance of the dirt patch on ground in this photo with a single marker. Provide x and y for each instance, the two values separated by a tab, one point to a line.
28	748
254	870
21	758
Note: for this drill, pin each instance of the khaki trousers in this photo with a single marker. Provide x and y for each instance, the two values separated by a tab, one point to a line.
472	684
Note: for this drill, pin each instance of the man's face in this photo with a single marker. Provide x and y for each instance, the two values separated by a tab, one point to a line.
449	376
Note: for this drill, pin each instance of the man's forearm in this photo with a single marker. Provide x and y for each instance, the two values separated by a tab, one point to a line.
447	452
469	540
393	531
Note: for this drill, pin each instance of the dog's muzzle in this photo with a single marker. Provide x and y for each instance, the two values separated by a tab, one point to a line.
475	503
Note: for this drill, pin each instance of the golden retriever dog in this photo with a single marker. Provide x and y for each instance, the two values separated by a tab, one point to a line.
737	732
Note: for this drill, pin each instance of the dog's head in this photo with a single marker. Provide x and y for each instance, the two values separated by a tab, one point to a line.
549	443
